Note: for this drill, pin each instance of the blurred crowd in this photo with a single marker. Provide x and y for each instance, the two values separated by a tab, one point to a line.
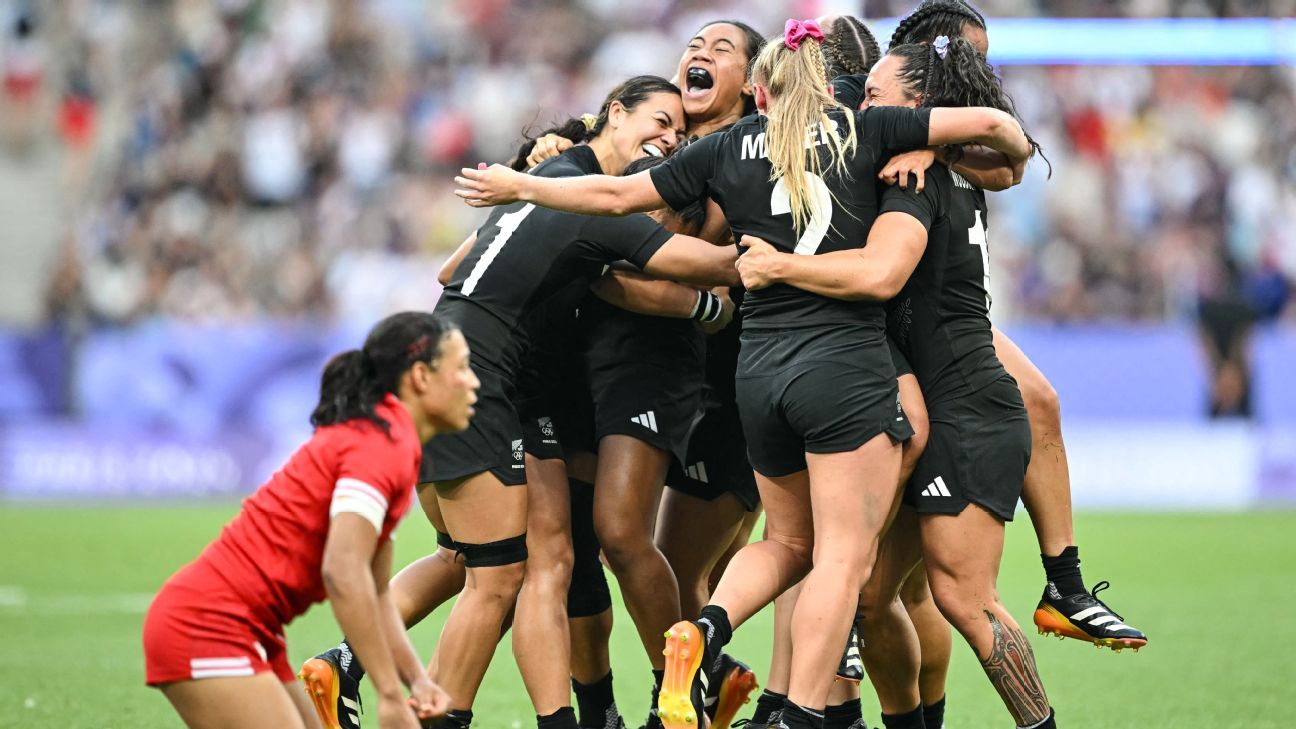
248	158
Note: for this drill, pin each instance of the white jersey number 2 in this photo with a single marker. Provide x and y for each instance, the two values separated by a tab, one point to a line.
821	208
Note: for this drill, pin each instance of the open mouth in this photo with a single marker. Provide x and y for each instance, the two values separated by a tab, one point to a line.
652	150
698	81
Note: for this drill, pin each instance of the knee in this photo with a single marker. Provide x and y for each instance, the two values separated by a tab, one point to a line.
498	585
961	603
551	562
622	540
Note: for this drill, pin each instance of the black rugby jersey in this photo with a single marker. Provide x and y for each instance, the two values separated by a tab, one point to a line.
525	254
732	168
941	318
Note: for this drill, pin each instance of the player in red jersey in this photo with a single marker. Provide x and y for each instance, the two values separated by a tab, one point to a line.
321	527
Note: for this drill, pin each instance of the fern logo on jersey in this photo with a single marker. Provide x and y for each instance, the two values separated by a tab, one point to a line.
546	427
517	451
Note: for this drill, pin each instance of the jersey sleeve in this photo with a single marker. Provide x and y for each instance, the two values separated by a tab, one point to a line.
371	479
634	238
686	175
893	128
926	206
849	89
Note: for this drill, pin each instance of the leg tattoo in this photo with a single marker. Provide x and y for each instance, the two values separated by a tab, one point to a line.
1011	668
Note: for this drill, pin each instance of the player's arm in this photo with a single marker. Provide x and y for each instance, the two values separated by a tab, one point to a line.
587	194
979	125
657	297
692	260
875	272
348	572
427	699
983	167
448	268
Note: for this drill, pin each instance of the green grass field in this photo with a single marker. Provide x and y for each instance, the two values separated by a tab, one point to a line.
1210	590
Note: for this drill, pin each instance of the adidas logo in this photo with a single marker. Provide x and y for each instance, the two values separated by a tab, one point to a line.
936	488
697	472
352	707
647	420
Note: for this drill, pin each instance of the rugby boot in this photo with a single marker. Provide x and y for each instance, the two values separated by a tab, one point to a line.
682	701
333	693
1084	617
851	667
734	687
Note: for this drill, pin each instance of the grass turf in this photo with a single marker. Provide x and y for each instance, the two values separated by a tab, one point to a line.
1210	590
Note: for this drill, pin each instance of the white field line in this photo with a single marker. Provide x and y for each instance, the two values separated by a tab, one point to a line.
17	600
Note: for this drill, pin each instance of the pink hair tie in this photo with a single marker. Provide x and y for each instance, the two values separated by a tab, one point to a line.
795	31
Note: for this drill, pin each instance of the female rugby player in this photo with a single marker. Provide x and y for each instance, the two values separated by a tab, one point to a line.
801	442
320	528
1066	608
969	478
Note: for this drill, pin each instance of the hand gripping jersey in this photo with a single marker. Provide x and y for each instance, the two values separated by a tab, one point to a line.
525	254
271	553
733	169
941	318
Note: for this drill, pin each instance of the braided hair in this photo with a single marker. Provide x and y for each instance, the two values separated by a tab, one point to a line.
850	48
961	78
630	93
934	18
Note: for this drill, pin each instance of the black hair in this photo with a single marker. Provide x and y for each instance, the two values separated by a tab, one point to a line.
630	93
850	47
693	215
354	382
754	42
962	78
934	18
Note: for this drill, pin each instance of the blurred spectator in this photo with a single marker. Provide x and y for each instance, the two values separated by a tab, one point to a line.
293	157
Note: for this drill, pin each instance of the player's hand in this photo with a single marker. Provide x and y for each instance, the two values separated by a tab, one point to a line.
900	167
427	699
549	145
488	186
726	311
395	713
757	266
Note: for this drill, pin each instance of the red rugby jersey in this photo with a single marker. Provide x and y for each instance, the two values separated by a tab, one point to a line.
272	551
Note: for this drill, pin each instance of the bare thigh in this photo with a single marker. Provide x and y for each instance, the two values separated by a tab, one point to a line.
251	702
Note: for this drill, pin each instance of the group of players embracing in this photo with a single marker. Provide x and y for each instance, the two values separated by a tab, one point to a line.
836	368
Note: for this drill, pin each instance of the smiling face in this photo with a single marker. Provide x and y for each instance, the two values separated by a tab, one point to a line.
883	87
713	73
652	128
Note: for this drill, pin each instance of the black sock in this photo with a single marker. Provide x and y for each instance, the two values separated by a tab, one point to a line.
799	717
563	718
656	691
768	703
457	719
843	715
351	662
910	720
1046	724
934	714
1064	571
594	700
716	630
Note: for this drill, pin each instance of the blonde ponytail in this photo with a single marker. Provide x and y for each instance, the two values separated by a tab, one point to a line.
797	84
